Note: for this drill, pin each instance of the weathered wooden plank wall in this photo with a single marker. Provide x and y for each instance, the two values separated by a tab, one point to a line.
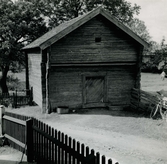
65	87
120	81
97	41
80	46
34	64
67	84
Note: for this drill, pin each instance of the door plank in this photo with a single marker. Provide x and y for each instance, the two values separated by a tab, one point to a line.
94	89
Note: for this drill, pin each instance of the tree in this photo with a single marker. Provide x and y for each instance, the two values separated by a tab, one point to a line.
58	11
138	27
20	23
158	57
161	53
23	21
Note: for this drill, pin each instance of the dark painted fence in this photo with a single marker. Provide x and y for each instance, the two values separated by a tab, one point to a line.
17	98
45	144
14	128
52	146
143	101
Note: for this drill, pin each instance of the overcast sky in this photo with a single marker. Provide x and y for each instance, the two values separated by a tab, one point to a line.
154	14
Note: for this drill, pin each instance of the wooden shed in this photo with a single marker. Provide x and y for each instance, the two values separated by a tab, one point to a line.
90	61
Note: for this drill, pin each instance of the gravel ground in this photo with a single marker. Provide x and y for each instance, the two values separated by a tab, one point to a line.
124	136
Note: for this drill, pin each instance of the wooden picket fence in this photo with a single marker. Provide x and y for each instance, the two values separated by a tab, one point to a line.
44	144
14	128
17	98
142	100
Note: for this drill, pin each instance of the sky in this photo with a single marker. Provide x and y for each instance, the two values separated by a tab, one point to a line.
154	14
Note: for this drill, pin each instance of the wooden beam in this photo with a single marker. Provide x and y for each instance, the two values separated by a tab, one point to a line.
27	73
29	139
138	69
90	64
48	108
83	90
21	122
15	140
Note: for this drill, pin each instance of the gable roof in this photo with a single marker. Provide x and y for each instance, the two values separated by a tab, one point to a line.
65	28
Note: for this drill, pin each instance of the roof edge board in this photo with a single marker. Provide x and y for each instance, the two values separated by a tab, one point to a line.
30	49
124	28
79	22
71	28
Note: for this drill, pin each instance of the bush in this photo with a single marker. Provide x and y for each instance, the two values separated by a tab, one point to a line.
5	101
14	83
150	68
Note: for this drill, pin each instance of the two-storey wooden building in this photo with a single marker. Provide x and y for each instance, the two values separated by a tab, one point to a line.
90	61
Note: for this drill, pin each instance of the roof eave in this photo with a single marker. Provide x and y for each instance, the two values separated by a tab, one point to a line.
71	28
124	28
31	48
80	22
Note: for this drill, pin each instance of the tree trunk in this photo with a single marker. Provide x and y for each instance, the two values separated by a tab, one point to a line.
3	84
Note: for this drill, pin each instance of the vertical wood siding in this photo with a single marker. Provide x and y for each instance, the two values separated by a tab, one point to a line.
80	46
34	62
66	84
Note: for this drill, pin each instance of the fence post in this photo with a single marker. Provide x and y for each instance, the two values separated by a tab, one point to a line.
2	111
31	96
29	138
16	99
139	99
13	105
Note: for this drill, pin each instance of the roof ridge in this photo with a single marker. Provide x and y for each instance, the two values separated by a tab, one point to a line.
63	29
36	43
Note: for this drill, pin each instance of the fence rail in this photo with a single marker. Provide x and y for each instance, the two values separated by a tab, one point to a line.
143	101
14	128
45	144
58	147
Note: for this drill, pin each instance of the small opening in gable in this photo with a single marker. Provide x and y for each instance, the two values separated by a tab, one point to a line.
98	39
